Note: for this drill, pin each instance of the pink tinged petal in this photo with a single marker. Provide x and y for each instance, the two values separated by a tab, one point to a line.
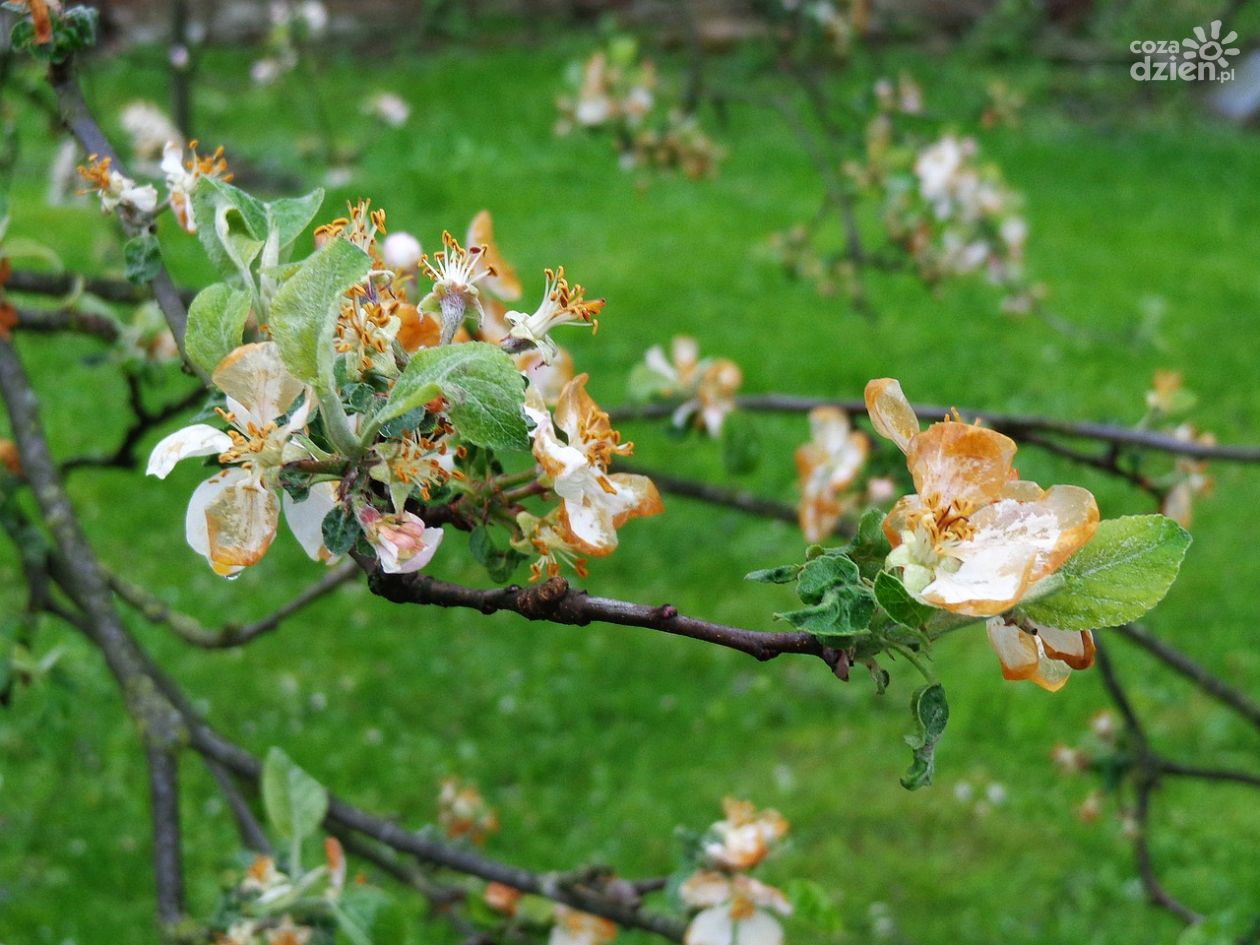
1016	650
200	439
405	547
196	527
713	926
306	519
241	524
958	461
255	377
891	413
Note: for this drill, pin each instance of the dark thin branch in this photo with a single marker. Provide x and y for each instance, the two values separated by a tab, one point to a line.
192	631
124	456
1146	776
1108	463
78	119
61	285
37	321
1200	676
1015	425
1178	770
252	835
715	495
556	602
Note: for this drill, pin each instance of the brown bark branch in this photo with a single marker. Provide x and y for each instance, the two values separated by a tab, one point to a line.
557	602
1015	425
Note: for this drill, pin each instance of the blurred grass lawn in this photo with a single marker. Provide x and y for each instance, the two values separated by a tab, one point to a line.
595	743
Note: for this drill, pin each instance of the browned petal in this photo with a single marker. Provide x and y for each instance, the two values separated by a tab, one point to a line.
896	521
241	523
1076	649
504	283
1077	514
890	411
42	21
958	461
417	329
1016	650
648	499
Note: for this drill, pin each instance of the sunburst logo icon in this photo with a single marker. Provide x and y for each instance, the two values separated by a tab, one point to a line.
1208	45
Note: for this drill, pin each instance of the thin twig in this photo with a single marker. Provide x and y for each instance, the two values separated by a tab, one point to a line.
39	321
124	456
1200	676
715	495
191	630
252	835
62	285
1014	425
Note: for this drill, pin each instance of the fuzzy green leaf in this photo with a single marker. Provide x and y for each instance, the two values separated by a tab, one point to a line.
295	802
930	709
216	324
484	391
1124	571
305	309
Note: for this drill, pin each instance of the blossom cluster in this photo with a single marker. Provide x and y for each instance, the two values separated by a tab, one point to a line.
421	390
616	93
944	213
730	906
705	388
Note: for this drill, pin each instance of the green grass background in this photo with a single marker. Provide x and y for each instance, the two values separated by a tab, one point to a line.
596	743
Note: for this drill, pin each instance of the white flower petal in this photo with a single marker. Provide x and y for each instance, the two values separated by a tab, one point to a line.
711	927
200	439
306	519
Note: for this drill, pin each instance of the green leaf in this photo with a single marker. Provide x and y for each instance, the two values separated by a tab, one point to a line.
216	324
340	529
898	602
822	573
304	311
498	562
295	802
1124	571
930	709
142	258
784	574
870	546
843	613
484	391
73	30
291	215
232	227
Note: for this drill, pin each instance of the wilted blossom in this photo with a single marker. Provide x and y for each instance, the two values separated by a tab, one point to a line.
826	466
976	540
117	191
734	910
594	501
706	386
182	176
463	813
744	837
572	927
232	516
